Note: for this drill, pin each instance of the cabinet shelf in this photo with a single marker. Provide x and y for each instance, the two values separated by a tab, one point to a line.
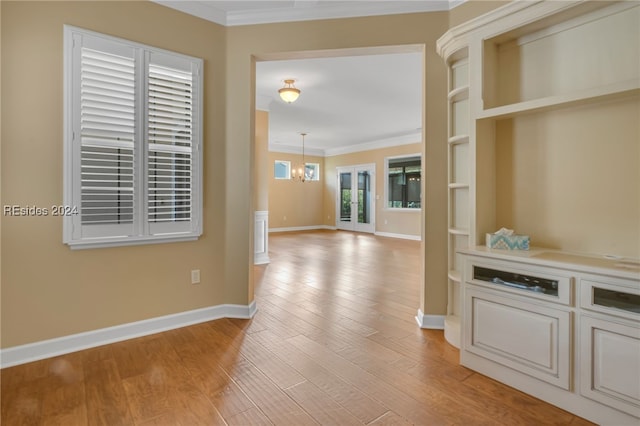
603	93
459	94
459	139
458	231
458	185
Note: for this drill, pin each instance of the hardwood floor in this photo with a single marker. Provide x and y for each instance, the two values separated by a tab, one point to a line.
334	342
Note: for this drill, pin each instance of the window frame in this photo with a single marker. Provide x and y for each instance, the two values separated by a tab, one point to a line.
143	229
316	176
288	165
386	182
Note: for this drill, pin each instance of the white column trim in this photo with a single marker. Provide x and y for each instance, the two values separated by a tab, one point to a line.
261	237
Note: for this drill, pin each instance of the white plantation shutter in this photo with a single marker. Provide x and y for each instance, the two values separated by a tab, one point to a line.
170	137
107	137
132	142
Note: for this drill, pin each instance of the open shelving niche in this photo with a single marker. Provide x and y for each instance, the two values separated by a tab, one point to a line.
522	58
458	186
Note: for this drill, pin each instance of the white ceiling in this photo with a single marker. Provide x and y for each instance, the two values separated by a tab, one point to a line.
344	101
347	103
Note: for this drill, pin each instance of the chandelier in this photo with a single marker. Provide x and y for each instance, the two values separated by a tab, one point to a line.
289	93
300	173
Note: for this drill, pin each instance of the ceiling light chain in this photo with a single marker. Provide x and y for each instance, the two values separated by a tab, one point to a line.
301	172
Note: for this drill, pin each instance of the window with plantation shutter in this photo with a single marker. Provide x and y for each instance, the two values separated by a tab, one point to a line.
132	142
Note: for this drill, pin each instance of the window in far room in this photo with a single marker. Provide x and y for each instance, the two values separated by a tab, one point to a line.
403	183
312	171
282	169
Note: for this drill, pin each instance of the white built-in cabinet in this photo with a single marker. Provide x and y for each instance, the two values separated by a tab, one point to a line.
524	58
530	64
559	326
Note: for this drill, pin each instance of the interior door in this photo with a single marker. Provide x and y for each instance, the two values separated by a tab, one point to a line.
355	198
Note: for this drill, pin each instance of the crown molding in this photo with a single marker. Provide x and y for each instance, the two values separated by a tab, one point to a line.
201	9
333	10
515	14
377	144
313	11
296	149
367	146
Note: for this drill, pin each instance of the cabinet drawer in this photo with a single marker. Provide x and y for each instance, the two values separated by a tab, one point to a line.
610	372
609	298
524	336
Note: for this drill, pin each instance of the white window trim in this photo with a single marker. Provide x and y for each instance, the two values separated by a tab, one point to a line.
72	226
386	184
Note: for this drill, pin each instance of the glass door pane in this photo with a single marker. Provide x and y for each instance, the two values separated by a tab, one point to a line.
364	197
345	197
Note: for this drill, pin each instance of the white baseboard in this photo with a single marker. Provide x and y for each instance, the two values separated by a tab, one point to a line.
63	345
403	236
261	259
303	228
433	322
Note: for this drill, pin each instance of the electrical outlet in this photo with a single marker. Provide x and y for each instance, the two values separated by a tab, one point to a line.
195	276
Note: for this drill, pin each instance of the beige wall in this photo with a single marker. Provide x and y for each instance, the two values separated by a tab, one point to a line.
471	9
398	222
571	178
293	203
49	290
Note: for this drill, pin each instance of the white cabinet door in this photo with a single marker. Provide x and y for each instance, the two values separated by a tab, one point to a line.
527	337
610	358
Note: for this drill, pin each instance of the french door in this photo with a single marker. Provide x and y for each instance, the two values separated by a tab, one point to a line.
355	204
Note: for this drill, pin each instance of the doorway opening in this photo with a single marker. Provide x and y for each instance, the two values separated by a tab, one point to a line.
354	199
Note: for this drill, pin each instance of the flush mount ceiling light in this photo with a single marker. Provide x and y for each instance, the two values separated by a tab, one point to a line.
289	93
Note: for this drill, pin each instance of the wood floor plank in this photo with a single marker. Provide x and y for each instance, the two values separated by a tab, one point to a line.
22	404
65	405
231	402
107	403
396	399
252	416
530	408
390	419
280	373
355	401
320	406
273	402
